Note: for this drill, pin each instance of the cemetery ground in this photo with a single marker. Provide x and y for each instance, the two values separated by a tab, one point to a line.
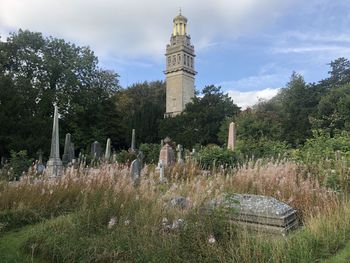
98	215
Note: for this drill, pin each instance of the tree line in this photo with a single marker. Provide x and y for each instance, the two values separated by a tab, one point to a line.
37	71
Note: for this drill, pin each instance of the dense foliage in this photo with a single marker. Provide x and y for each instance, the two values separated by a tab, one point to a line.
36	71
200	122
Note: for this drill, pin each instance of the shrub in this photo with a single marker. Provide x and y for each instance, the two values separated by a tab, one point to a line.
214	156
125	157
327	158
151	152
262	148
19	163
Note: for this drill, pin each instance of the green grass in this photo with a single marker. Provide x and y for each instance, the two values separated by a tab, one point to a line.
343	256
10	247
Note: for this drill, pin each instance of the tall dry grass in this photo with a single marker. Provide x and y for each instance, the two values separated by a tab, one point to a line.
50	197
91	200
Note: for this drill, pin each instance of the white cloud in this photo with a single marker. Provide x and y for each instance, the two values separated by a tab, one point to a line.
269	76
135	29
245	99
317	48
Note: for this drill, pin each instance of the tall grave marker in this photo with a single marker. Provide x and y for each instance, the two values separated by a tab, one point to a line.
231	143
54	164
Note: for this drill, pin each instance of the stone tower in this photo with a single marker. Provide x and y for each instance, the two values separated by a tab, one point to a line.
179	71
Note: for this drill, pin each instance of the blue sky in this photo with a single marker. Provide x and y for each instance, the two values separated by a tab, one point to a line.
249	47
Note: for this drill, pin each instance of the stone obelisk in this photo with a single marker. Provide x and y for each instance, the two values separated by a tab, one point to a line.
108	150
133	147
54	164
231	143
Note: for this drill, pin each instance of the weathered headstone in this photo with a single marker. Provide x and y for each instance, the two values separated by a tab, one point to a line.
72	151
54	164
40	167
161	171
67	158
231	142
95	150
114	157
161	144
135	171
133	147
108	150
167	153
179	150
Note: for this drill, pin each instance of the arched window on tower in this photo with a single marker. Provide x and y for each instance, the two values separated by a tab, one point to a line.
174	60
178	59
169	60
191	62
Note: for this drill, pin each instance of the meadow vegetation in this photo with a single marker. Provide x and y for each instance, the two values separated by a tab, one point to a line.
97	215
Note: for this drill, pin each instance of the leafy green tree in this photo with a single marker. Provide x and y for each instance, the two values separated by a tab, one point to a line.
38	71
200	122
299	101
141	107
334	109
339	74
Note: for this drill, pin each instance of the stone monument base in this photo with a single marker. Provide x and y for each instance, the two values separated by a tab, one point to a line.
53	167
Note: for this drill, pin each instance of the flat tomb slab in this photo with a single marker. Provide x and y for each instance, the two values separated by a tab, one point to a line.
259	211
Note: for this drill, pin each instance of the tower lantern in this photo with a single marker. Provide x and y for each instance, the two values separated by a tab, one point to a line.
180	73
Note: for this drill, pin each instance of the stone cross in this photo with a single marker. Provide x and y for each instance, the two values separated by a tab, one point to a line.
179	150
231	143
133	148
167	153
108	150
54	164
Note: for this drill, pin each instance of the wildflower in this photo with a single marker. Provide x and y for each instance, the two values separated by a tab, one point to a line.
211	239
51	192
127	222
177	223
111	222
164	220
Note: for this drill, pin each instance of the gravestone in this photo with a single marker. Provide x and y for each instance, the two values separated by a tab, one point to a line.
161	171
114	157
135	171
67	155
133	135
95	150
260	213
54	164
72	151
231	142
40	167
108	150
167	153
179	151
